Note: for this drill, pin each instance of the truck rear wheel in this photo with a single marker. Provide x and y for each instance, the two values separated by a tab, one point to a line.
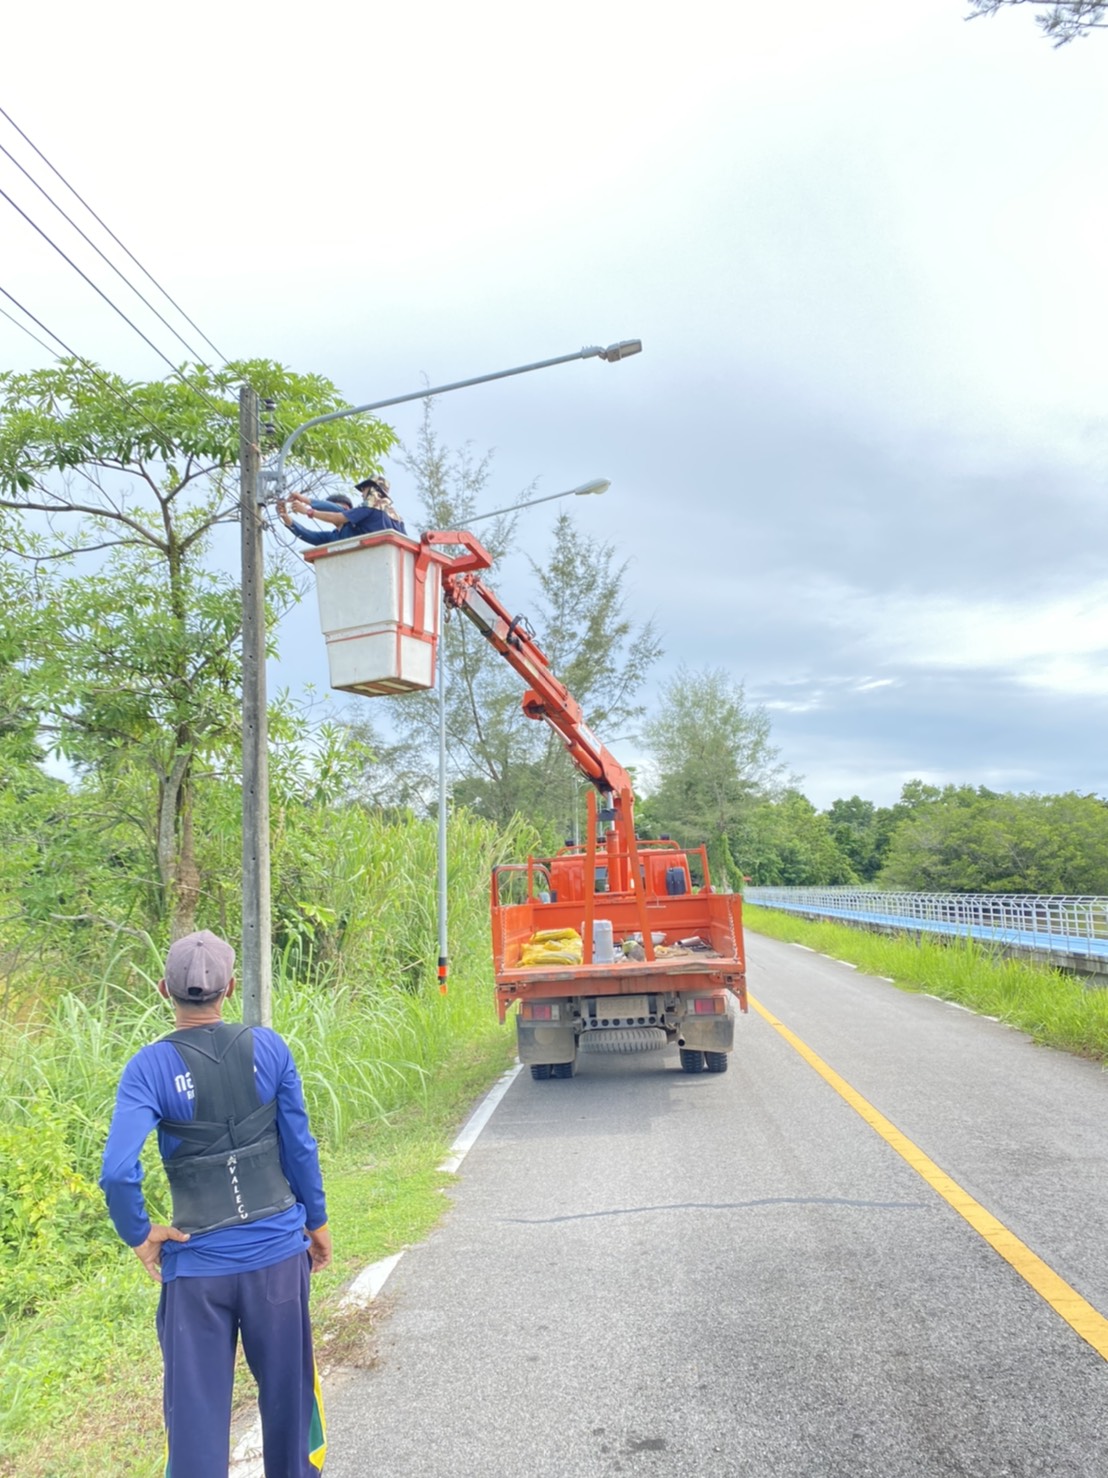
716	1062
691	1062
540	1070
564	1069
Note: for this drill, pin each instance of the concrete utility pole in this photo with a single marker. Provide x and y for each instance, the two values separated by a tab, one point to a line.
256	965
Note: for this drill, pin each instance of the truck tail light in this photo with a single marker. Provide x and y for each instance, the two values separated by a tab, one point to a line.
709	1005
539	1011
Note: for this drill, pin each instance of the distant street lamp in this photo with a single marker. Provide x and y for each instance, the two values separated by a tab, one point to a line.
598	485
257	486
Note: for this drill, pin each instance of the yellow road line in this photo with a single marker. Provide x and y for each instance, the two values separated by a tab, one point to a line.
1064	1300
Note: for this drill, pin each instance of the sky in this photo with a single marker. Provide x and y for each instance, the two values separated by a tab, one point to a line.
860	463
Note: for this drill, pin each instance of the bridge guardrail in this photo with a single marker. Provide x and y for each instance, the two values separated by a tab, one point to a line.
1052	924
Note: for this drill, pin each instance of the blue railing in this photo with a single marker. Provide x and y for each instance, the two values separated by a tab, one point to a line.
1049	923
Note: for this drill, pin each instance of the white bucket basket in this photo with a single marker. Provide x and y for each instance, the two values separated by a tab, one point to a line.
379	605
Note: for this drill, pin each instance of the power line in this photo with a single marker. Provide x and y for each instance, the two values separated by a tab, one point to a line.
219	410
104	257
12	318
87	363
223	358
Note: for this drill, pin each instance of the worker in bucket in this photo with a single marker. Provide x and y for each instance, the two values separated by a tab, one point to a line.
376	514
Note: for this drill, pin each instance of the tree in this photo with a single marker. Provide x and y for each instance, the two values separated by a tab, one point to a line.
976	841
714	761
862	832
1060	20
505	763
19	739
784	842
120	488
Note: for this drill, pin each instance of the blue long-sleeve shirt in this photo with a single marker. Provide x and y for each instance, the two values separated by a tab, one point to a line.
359	521
155	1086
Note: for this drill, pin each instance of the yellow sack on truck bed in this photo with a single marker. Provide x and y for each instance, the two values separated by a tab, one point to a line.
552	947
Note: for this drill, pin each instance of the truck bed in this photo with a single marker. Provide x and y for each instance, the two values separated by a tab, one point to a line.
714	918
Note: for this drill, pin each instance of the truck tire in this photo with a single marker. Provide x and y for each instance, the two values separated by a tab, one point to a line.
691	1062
540	1070
716	1062
564	1069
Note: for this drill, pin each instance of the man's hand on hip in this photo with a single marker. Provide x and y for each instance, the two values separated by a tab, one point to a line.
320	1250
149	1253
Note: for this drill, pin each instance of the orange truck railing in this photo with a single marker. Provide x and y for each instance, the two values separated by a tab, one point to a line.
638	908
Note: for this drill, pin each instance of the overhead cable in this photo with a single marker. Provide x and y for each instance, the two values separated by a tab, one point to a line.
87	363
104	257
11	316
223	358
219	410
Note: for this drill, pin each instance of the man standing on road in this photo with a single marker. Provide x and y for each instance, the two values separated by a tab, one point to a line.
249	1219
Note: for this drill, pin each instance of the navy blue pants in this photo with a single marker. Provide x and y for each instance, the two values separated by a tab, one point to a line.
199	1324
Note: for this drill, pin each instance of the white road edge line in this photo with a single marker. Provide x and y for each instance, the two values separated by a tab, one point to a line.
477	1121
369	1282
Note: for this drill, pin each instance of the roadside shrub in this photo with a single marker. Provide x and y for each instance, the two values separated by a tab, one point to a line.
49	1210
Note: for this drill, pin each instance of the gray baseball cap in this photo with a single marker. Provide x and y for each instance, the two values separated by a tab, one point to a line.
199	967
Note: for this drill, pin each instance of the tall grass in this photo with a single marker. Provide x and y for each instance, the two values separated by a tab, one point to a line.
1055	1008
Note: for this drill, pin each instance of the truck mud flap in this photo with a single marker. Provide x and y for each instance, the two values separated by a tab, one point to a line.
541	1041
707	1033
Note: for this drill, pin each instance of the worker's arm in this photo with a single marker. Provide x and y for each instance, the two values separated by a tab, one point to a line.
135	1115
325	515
299	1151
320	509
133	1118
310	536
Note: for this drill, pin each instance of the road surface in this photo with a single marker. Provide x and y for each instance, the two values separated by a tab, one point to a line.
651	1273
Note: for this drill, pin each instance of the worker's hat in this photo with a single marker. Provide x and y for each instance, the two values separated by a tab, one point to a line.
373	483
198	968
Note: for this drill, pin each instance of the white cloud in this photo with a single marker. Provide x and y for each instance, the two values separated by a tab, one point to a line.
1058	645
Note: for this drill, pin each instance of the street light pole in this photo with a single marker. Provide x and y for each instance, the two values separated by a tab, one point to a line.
257	961
614	352
444	958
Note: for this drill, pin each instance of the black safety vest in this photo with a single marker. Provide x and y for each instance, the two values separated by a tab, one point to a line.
227	1169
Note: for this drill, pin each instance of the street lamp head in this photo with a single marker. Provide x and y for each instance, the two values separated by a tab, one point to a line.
622	350
597	485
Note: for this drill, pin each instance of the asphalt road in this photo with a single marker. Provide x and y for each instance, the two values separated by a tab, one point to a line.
651	1273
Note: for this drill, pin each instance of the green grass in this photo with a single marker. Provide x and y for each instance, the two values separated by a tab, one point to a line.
1056	1009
